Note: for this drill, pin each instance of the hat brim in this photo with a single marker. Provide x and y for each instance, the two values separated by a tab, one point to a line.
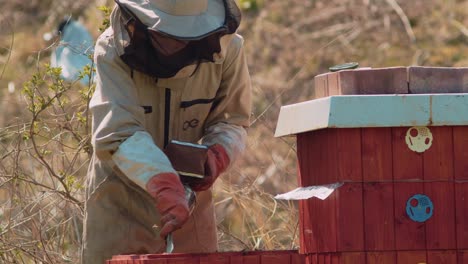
184	27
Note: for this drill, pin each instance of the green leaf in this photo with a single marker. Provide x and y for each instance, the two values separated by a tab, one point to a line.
106	22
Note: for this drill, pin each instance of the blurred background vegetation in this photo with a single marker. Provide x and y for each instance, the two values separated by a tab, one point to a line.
44	128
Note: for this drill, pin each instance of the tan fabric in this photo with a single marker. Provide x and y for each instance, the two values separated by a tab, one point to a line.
121	219
211	106
140	159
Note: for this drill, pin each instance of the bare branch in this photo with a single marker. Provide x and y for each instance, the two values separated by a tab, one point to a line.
12	42
404	19
463	29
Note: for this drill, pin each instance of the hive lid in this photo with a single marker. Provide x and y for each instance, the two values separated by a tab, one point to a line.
351	111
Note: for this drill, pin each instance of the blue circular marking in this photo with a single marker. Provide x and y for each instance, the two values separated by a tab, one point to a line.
419	208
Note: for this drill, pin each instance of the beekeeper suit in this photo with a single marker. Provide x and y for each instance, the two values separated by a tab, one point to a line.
72	55
166	69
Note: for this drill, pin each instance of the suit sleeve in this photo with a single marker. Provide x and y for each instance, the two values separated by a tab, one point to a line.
229	118
118	133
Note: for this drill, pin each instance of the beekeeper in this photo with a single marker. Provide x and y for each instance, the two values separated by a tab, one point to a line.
166	69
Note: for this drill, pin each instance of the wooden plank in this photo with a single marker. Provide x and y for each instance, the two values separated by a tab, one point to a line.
183	260
319	231
275	259
335	258
348	154
409	235
381	257
461	209
377	154
411	257
349	207
373	81
437	80
407	164
316	152
333	84
378	198
311	259
305	153
308	243
251	259
350	222
237	259
379	216
298	259
324	259
309	145
305	239
350	111
364	81
321	85
317	162
438	159
325	227
440	228
442	257
460	143
120	259
331	152
317	259
150	259
153	261
299	176
215	259
352	258
462	257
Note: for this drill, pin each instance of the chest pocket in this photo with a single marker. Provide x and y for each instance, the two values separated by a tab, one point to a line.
193	115
198	98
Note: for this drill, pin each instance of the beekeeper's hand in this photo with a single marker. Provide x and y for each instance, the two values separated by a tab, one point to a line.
169	195
216	163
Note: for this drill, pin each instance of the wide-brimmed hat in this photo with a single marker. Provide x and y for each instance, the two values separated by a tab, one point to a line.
186	19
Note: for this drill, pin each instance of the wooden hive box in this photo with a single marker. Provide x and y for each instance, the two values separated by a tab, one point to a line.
380	214
255	257
395	80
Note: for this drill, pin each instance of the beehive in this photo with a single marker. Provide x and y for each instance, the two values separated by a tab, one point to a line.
358	135
401	202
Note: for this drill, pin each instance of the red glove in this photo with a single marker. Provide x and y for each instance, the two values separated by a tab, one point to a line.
216	163
169	194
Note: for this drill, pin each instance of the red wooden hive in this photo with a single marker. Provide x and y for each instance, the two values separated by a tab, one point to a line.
360	140
255	257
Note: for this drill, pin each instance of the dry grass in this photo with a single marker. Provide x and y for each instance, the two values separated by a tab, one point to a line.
287	44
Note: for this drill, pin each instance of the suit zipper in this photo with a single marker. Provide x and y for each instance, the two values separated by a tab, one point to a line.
167	116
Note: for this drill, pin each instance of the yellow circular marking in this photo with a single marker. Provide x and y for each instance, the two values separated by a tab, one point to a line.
419	139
